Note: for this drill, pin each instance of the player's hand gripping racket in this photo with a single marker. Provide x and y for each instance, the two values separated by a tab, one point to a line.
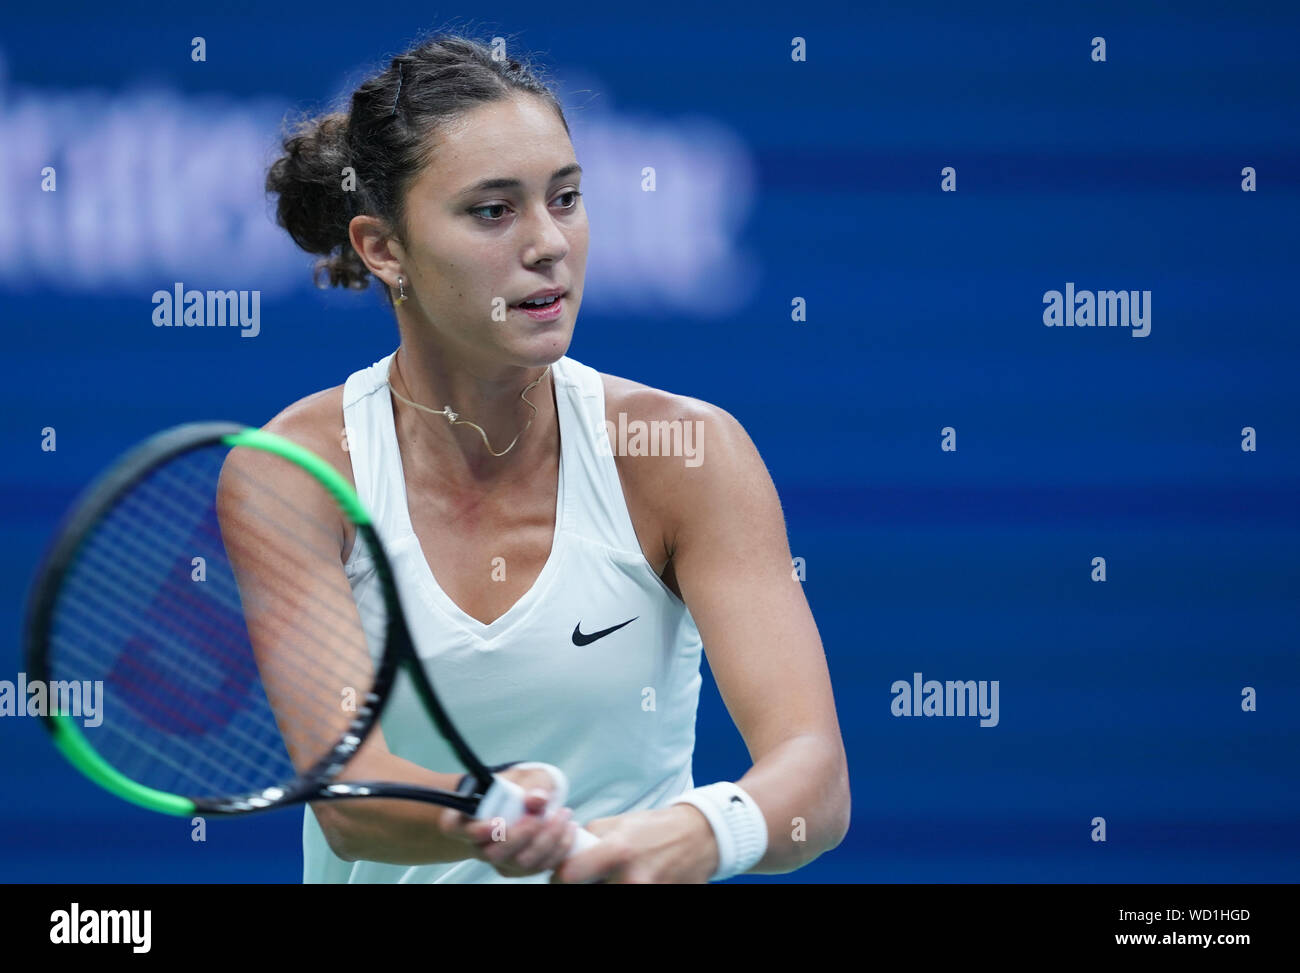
199	581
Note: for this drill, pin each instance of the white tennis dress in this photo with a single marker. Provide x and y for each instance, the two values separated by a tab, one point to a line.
616	714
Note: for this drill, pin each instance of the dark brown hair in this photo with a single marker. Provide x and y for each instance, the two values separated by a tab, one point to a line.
386	137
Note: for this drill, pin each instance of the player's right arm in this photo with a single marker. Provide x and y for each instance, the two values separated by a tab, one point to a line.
310	647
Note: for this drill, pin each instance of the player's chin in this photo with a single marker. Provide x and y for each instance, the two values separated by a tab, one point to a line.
540	347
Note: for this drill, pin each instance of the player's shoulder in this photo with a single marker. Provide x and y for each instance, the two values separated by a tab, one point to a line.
677	448
638	400
316	422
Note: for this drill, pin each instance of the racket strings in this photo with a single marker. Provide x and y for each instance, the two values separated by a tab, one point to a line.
187	702
142	751
204	615
203	612
168	705
327	612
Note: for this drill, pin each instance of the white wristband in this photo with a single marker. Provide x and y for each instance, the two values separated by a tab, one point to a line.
738	826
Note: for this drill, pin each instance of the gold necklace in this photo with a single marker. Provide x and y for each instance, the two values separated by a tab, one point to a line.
454	417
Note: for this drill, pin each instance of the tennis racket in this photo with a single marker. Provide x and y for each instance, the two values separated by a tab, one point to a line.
198	582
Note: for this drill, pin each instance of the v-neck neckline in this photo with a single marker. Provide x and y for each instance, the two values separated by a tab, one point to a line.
485	631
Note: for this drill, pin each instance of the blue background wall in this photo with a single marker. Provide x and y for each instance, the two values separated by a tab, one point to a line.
777	180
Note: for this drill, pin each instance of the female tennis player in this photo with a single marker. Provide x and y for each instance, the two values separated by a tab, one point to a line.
561	589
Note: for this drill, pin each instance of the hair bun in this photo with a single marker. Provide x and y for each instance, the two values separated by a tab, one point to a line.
436	81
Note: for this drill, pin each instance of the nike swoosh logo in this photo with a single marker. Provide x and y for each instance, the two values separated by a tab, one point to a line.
580	639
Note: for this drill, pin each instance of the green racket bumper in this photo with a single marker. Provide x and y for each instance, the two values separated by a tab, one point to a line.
70	740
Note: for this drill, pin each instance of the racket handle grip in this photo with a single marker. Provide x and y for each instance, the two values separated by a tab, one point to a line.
505	799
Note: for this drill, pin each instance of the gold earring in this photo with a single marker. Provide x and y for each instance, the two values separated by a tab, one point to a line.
401	295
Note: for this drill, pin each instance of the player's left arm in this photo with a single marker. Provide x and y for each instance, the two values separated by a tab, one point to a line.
727	538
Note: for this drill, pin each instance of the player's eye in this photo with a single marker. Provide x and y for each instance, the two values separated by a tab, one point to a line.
501	206
490	219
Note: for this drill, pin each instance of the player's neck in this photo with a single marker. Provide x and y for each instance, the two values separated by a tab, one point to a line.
484	395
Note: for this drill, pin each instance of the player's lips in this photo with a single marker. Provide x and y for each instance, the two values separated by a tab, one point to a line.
545	292
549	311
